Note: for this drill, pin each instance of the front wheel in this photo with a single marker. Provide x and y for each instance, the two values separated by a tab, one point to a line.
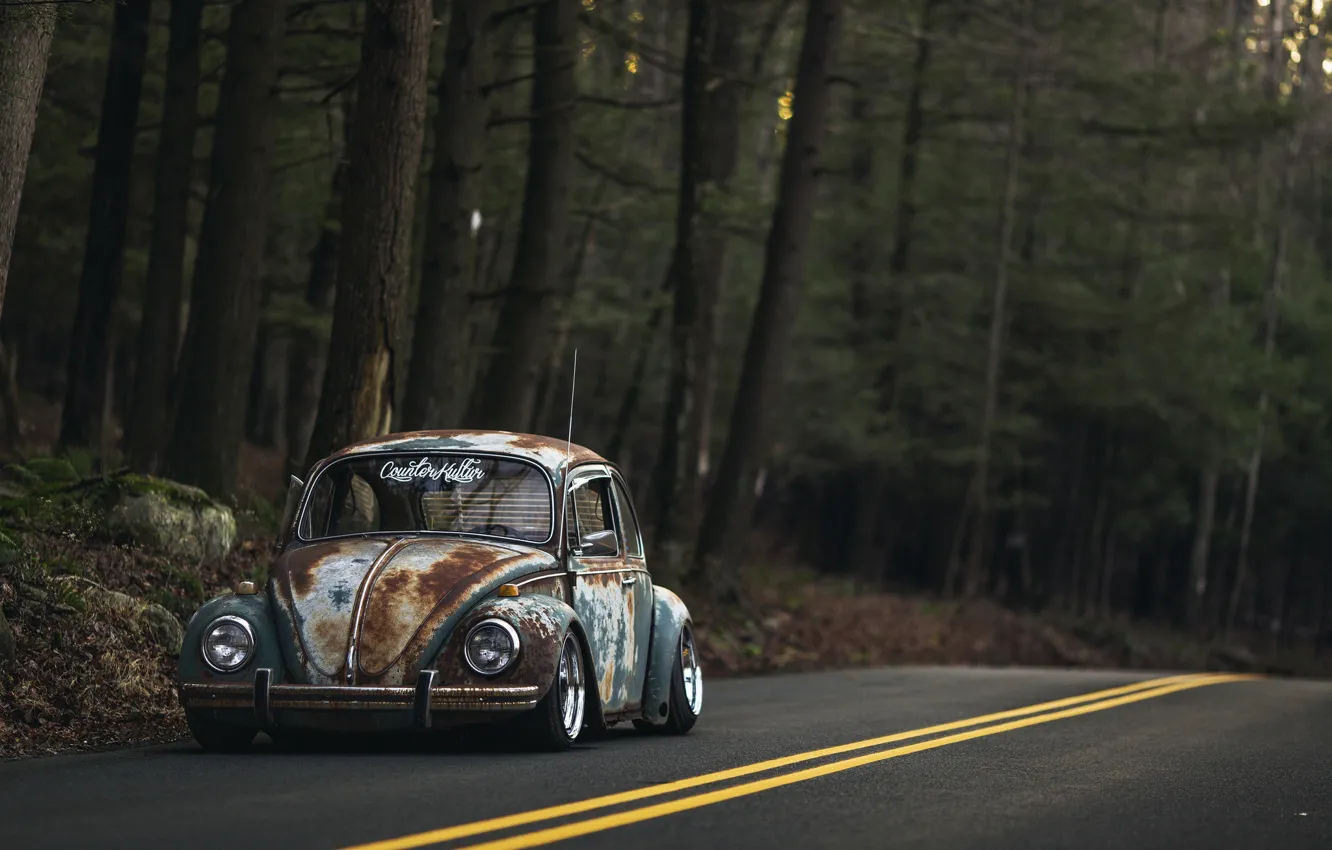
686	690
216	737
558	719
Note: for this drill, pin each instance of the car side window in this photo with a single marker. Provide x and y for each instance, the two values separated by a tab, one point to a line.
590	506
633	541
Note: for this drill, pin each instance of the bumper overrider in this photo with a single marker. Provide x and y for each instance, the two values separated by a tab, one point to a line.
263	698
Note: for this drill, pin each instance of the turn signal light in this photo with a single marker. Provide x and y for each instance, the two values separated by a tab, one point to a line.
508	590
246	588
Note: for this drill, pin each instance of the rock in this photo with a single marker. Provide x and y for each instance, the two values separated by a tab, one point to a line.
159	624
6	640
171	518
162	627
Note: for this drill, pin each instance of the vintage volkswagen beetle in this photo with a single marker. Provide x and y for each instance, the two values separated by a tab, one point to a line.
440	578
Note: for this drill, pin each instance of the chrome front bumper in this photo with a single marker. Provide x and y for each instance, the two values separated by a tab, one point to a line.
263	697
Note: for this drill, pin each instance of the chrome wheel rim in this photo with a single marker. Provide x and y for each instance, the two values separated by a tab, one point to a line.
572	694
693	673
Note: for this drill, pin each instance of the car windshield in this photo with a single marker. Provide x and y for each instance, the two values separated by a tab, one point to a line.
443	492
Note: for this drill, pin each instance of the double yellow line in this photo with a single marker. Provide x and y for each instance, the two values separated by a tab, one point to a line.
1003	721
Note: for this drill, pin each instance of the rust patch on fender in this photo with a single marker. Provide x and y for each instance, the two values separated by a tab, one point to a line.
419	580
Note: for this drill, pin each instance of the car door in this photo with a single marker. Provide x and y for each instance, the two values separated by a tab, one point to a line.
598	570
640	596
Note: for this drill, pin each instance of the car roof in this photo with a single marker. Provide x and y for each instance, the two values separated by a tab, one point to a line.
549	452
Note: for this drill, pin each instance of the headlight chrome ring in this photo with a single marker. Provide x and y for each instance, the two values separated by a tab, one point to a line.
484	647
228	644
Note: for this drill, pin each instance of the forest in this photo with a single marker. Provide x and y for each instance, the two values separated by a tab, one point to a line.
989	299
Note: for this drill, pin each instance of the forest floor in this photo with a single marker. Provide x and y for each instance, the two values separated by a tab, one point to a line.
86	677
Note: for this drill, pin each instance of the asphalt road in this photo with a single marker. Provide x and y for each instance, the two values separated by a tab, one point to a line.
1243	764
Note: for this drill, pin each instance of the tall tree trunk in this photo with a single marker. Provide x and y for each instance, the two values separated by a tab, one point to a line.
436	385
783	272
506	394
104	247
1202	545
1271	311
709	146
266	407
978	496
374	258
163	290
309	352
25	44
224	303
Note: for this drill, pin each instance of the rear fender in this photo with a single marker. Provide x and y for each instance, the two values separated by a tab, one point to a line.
669	616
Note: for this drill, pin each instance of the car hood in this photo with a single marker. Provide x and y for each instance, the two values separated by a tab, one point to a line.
383	605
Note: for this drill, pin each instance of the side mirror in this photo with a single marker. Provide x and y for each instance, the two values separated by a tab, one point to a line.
295	487
598	543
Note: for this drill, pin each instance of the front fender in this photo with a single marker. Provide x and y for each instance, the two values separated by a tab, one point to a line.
541	623
669	616
256	610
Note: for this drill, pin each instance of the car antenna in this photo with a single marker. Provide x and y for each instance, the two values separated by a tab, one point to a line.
568	453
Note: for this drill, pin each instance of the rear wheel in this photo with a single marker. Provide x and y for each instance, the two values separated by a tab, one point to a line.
217	737
686	690
558	719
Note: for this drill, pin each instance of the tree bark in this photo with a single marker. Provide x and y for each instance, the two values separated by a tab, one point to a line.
506	394
764	364
709	147
388	129
309	345
979	490
224	304
1271	312
436	381
25	44
159	331
1202	545
104	248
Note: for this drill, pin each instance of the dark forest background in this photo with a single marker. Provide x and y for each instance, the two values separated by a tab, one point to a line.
1005	298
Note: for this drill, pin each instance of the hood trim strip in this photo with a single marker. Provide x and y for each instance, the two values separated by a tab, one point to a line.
358	611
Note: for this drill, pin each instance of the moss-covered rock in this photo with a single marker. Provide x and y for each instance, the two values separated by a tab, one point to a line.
167	517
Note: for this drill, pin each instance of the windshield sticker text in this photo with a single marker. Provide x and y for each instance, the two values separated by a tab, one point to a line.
460	472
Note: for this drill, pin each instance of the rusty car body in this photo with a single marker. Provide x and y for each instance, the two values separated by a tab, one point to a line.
440	578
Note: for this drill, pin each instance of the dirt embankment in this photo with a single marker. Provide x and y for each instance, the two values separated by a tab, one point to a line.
96	616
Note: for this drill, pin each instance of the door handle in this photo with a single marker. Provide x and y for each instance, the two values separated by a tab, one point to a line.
629	581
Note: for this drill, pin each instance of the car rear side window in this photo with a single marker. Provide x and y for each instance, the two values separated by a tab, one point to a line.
633	542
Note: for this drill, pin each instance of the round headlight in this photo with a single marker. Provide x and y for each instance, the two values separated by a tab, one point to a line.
228	643
491	646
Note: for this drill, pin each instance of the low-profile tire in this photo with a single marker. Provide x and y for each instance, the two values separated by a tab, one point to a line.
686	691
558	719
216	737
